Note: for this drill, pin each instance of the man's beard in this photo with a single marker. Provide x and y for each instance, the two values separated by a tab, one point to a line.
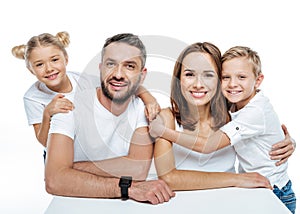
125	97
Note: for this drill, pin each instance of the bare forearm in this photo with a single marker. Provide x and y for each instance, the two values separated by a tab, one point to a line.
197	180
42	130
217	140
71	182
117	167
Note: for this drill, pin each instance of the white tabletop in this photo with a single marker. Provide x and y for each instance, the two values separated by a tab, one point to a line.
226	200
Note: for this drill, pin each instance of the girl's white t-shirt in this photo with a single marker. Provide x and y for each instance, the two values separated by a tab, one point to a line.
38	96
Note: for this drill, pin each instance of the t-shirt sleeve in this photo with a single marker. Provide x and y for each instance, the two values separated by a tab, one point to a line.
142	120
34	111
63	123
248	123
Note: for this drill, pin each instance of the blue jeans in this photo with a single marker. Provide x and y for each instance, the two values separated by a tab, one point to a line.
287	196
44	155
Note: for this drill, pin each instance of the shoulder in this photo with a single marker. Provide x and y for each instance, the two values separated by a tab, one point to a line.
167	113
167	116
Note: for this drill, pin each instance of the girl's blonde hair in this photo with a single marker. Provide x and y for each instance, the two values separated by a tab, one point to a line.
61	40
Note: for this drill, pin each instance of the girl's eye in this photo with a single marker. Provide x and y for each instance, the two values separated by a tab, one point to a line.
225	77
242	77
55	59
38	64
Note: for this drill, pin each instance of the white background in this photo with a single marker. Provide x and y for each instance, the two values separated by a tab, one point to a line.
272	29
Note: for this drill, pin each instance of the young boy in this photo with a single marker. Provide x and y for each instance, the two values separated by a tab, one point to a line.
254	125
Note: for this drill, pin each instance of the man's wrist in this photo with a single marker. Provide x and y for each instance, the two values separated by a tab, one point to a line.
124	184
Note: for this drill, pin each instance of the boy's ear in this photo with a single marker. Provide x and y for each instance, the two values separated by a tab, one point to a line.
259	80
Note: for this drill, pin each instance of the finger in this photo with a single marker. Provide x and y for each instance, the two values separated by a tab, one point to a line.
284	128
281	151
58	96
160	197
153	199
280	157
278	163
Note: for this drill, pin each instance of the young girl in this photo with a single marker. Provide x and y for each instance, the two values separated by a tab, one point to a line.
46	58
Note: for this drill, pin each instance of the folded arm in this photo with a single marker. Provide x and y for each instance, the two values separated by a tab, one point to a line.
135	164
204	144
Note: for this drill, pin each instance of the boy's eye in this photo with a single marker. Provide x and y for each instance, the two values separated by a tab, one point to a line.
55	59
242	77
225	77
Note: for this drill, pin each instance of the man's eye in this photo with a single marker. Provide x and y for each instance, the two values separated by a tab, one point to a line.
109	64
131	66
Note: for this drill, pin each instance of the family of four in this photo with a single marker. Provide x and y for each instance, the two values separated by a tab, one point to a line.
100	140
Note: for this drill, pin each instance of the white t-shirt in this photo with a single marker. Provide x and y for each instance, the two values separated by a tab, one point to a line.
39	95
97	133
220	161
252	131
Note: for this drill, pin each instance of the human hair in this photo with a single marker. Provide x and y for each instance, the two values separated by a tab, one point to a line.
61	40
130	39
242	51
179	105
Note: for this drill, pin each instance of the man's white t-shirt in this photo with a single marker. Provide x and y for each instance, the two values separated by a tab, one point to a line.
252	131
97	133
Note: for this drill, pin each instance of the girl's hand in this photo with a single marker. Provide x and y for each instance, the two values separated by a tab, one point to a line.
59	104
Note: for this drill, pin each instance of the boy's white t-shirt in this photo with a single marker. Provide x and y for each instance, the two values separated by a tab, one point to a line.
252	131
97	133
39	95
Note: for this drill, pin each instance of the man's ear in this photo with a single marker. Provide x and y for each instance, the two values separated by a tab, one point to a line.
144	73
259	80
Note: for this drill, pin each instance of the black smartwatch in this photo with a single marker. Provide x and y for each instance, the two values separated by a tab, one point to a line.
124	184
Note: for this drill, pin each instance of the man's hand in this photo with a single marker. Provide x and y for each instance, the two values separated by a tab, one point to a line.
284	149
154	191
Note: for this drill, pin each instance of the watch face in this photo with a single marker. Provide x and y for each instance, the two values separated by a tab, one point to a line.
125	181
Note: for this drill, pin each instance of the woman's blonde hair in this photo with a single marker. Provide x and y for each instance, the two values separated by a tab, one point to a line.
61	40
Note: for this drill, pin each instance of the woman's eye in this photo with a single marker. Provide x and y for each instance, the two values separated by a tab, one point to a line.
188	74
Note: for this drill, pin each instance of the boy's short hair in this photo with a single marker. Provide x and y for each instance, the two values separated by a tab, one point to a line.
242	51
